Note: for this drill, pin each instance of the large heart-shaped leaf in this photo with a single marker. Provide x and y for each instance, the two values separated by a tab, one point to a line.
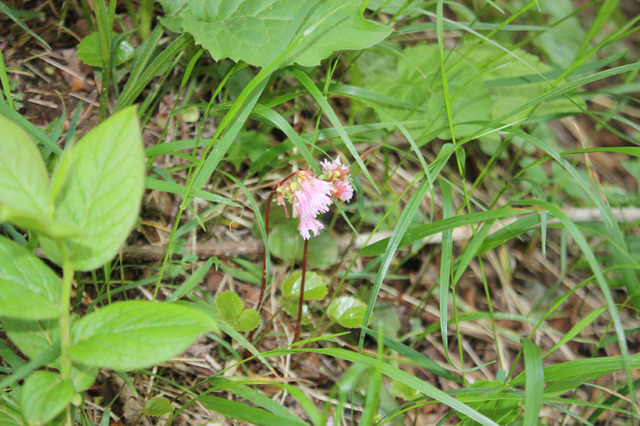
511	83
29	289
136	334
417	82
44	395
252	30
23	174
102	192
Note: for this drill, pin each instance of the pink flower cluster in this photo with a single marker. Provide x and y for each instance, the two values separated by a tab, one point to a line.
312	196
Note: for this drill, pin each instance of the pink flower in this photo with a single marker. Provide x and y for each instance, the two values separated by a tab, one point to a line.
335	169
339	177
343	190
312	194
308	223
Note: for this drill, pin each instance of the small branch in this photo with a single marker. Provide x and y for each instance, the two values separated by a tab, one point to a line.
253	249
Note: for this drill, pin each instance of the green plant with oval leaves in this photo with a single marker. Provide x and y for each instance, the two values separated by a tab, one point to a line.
81	216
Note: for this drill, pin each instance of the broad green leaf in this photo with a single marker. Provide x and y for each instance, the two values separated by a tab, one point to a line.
286	243
291	308
172	19
157	407
89	50
403	391
31	337
561	43
10	415
83	377
38	223
23	174
512	84
386	319
136	334
44	395
231	310
347	311
415	81
29	289
251	30
102	193
315	286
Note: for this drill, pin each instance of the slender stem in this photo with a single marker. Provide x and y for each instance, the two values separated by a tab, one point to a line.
104	35
263	284
64	322
304	273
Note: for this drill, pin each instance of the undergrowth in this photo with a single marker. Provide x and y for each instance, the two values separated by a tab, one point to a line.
319	212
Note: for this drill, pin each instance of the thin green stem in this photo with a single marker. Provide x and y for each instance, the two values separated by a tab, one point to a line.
104	35
65	321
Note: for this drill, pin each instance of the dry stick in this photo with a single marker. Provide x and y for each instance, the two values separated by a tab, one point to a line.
304	272
251	248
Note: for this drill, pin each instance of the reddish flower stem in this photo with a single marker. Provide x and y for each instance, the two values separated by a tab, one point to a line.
263	284
304	273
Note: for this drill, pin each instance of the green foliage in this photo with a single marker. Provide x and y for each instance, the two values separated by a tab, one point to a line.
136	334
231	310
32	337
82	217
44	395
286	243
157	407
29	290
10	414
101	192
511	81
247	413
347	311
89	50
22	171
504	81
251	31
291	308
315	286
490	400
413	82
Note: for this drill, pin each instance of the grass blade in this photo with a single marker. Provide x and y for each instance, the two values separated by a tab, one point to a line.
395	240
534	382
